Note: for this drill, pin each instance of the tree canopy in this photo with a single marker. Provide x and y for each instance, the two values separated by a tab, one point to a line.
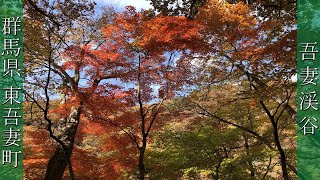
186	90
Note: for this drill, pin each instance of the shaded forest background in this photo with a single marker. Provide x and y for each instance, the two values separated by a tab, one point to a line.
190	89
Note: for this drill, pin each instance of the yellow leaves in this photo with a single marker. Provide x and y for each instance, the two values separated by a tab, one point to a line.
223	18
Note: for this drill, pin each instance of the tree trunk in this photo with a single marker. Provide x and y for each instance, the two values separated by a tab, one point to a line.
249	161
283	160
61	157
274	122
141	159
217	171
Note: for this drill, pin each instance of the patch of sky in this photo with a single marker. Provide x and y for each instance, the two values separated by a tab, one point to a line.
120	5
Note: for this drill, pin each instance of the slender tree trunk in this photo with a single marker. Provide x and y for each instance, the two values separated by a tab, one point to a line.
283	160
141	165
276	139
141	159
249	161
61	157
217	171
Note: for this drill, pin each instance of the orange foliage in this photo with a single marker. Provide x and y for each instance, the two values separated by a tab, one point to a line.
136	52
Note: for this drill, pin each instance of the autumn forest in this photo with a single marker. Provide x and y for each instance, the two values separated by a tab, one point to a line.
187	89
